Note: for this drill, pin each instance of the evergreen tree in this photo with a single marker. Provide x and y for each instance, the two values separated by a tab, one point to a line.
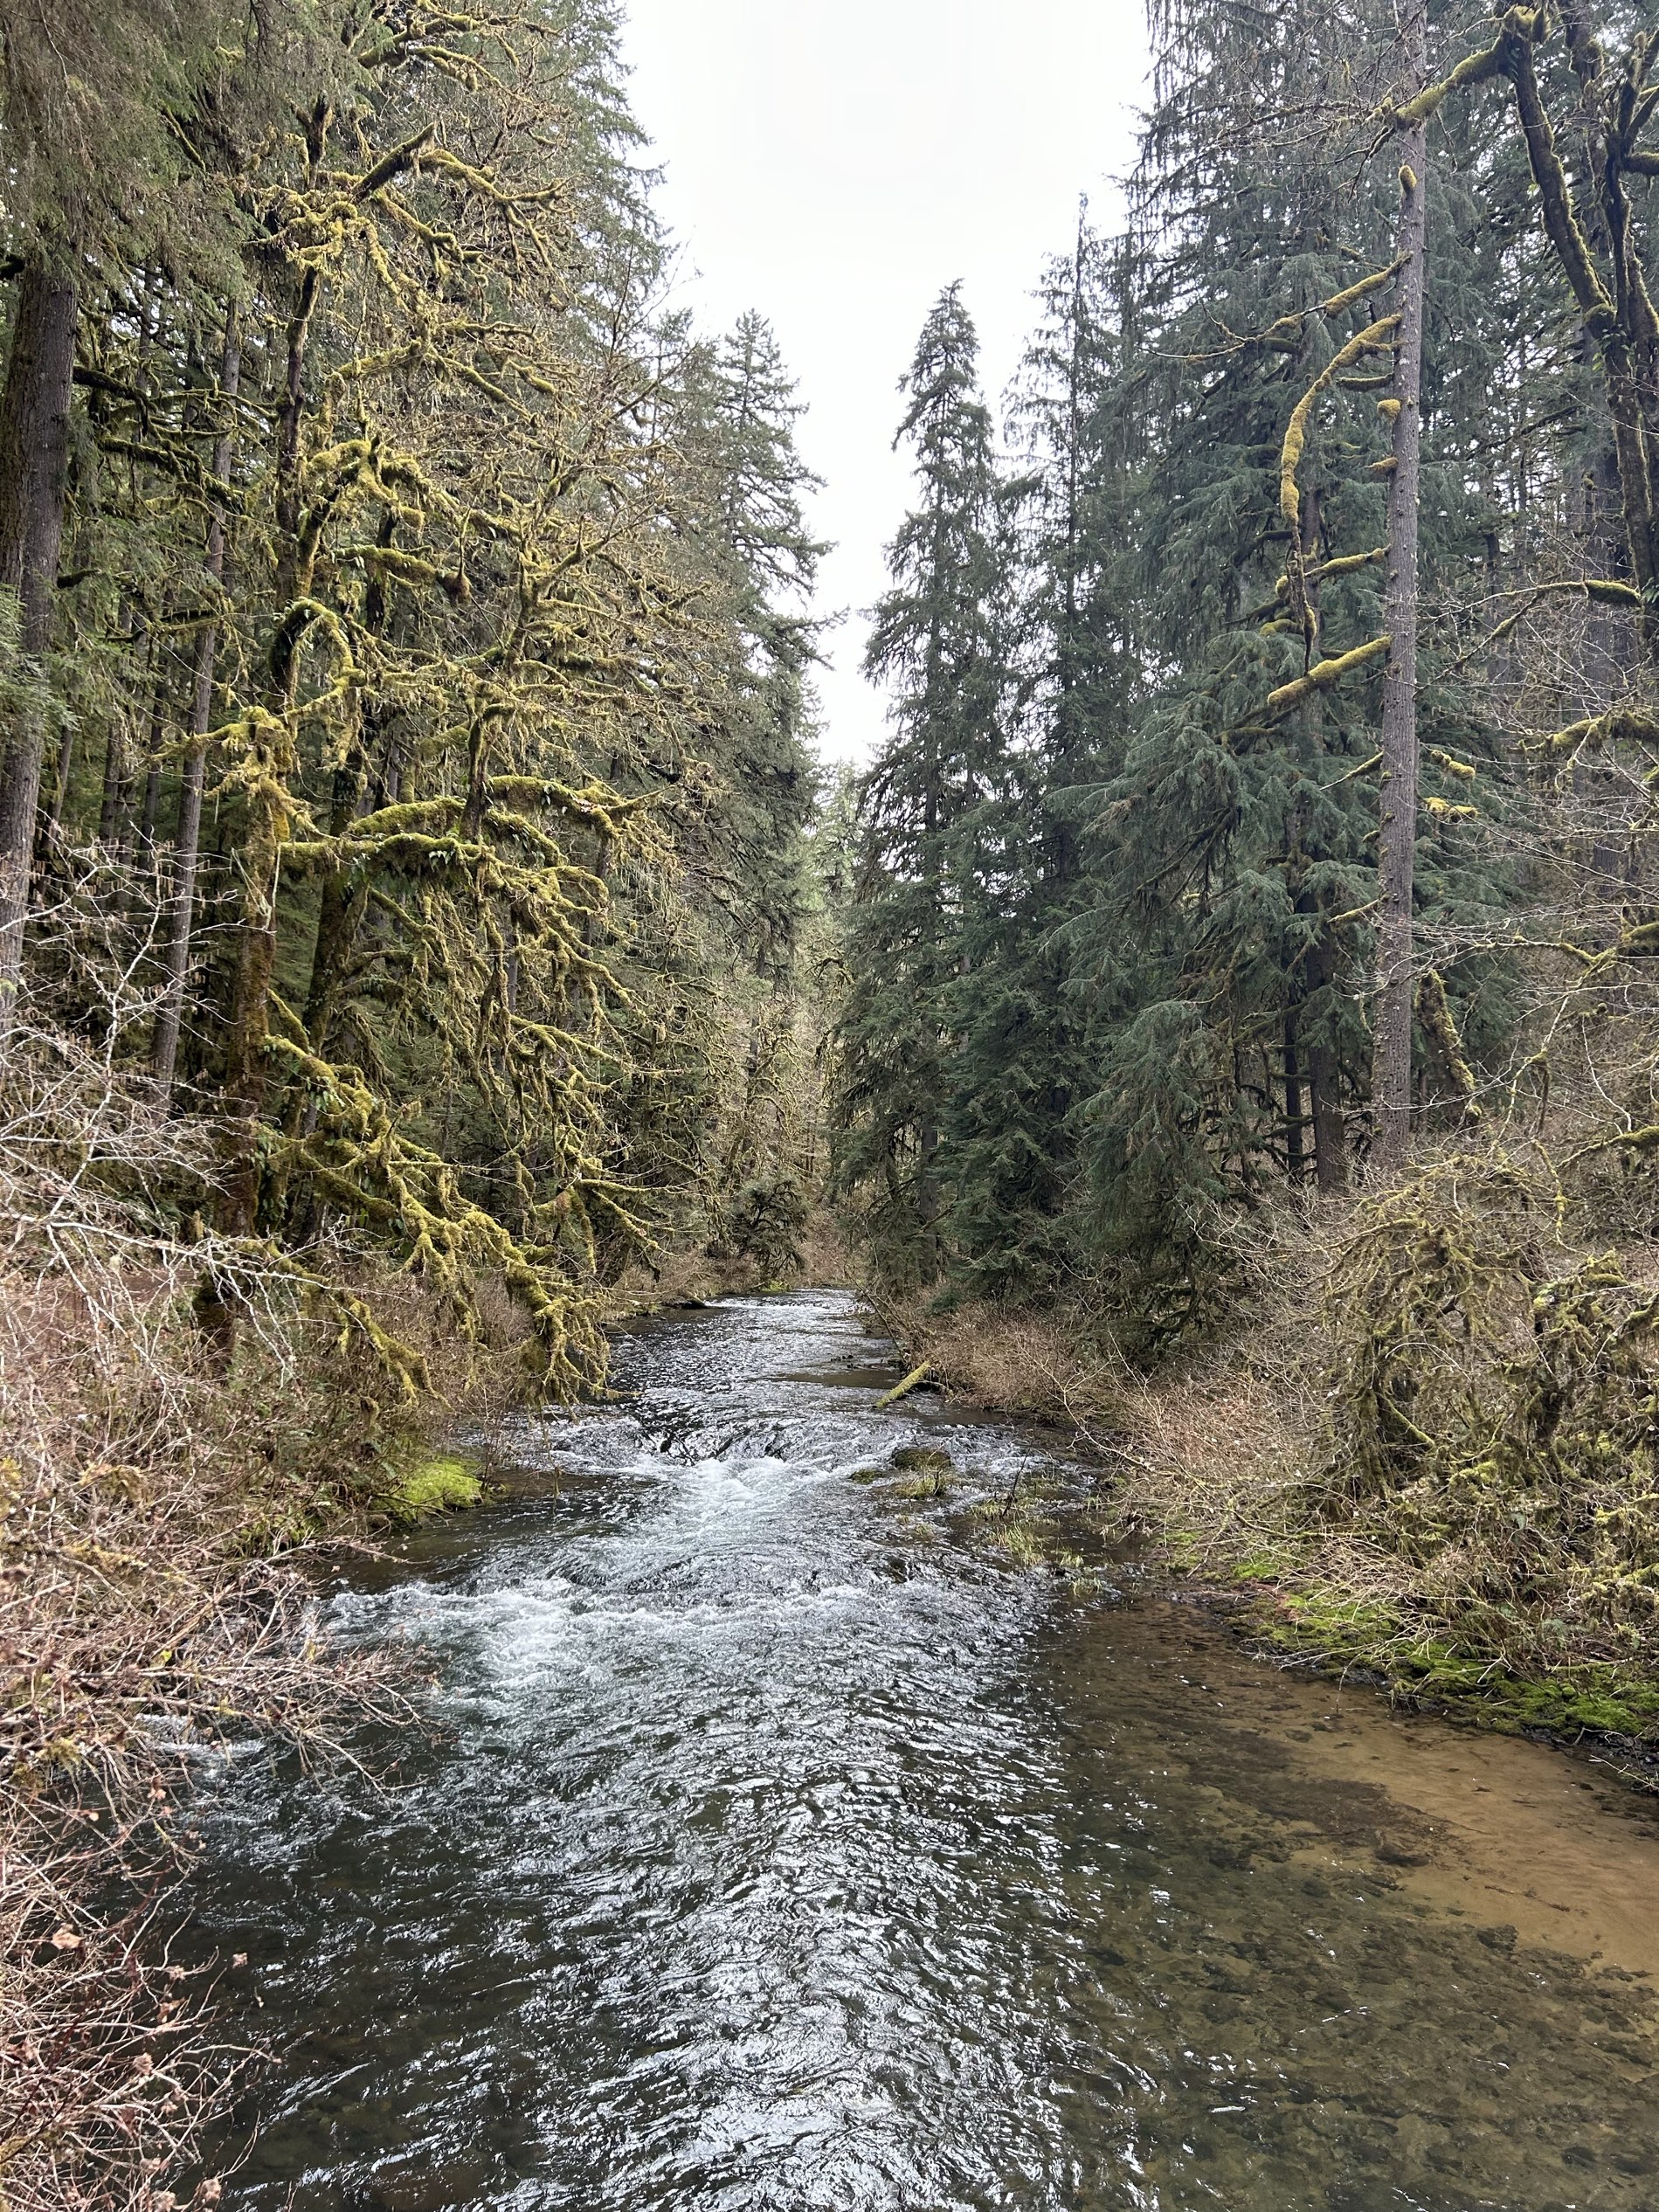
927	807
101	105
1232	869
1160	897
1020	1064
760	547
723	962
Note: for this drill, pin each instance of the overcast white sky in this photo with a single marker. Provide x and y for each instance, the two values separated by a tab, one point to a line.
834	164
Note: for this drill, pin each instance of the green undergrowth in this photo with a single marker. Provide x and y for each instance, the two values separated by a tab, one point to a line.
1274	1600
1347	1635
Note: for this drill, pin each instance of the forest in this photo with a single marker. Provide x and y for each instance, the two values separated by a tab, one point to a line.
1246	987
1219	1017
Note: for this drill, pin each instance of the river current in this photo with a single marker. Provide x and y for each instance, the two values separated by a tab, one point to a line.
775	1848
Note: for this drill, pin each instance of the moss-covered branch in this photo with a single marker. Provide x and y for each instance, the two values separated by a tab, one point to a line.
1325	673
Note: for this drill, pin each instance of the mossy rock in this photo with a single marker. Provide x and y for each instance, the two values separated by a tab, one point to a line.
870	1475
442	1484
923	1459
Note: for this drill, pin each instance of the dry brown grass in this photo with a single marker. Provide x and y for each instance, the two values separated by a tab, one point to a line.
1424	1446
141	1617
1048	1365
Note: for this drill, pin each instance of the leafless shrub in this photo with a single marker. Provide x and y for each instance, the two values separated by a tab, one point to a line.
142	1620
1050	1363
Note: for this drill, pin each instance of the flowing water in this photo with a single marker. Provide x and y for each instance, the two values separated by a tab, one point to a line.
779	1849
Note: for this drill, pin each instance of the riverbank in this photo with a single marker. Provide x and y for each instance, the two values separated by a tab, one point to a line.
165	1530
1417	1451
165	1518
167	1491
160	1528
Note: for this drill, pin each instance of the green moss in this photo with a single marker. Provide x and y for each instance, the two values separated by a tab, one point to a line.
921	1459
870	1475
1605	1703
1184	1547
442	1484
1261	1566
1313	1617
1613	1705
1594	1697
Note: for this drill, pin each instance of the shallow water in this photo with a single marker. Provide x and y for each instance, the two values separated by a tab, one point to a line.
777	1849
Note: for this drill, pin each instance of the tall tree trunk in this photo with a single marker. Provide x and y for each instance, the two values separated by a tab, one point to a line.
342	903
1324	1081
117	783
114	819
34	457
49	830
340	909
187	837
1391	1057
247	1030
1294	1154
248	1026
52	826
151	815
1319	1063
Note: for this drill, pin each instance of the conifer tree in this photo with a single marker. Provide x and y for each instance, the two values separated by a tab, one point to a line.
725	953
924	806
1022	1064
1231	868
98	101
1218	857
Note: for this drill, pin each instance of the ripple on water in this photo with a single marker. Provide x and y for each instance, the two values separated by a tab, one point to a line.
745	1872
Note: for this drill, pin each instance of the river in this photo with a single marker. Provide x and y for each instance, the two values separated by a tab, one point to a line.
777	1847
